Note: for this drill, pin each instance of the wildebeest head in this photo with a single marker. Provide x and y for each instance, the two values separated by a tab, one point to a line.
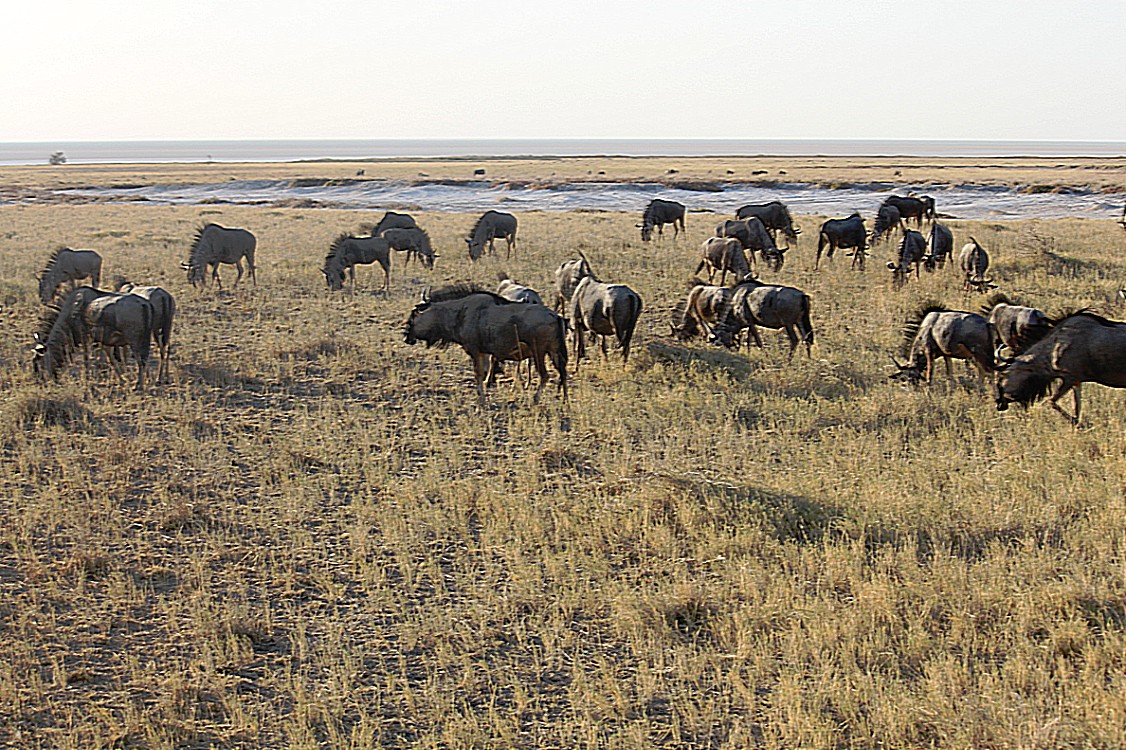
1019	382
910	374
417	327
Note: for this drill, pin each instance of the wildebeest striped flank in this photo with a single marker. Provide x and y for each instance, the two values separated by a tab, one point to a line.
658	213
414	241
491	225
936	332
754	304
843	233
214	245
66	265
346	252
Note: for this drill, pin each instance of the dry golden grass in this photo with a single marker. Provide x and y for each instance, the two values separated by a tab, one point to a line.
313	538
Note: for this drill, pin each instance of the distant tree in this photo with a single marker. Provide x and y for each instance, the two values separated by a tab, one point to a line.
57	158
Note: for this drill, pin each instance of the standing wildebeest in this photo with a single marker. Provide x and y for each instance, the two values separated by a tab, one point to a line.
844	233
163	313
886	220
937	332
392	220
701	310
214	245
88	316
604	310
491	225
658	213
1081	348
910	207
940	246
414	241
68	265
1015	327
754	304
491	329
567	277
514	292
974	262
724	254
752	235
774	216
912	250
347	252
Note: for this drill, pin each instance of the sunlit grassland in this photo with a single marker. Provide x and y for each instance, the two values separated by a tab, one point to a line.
313	537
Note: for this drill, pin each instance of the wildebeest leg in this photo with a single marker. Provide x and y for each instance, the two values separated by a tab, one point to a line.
238	265
753	331
541	368
481	363
1063	388
794	340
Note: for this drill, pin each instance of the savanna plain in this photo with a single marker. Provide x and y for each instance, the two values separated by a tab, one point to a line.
312	536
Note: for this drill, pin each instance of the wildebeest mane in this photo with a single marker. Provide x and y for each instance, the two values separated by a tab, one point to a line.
55	344
997	298
476	226
911	327
52	260
335	247
197	240
460	291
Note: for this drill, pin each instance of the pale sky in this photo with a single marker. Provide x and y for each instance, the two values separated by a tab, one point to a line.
242	69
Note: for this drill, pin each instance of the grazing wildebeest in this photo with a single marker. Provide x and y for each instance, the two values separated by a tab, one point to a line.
491	225
567	277
974	262
843	233
754	304
910	207
347	252
491	330
510	290
414	241
392	220
163	314
723	254
214	245
87	316
700	311
886	220
658	213
1081	348
939	248
937	332
1015	327
912	250
604	310
775	216
752	235
68	265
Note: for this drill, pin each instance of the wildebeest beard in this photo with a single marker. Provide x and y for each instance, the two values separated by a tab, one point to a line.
1029	388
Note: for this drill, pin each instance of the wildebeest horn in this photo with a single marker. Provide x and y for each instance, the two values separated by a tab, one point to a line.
891	265
185	266
896	362
425	296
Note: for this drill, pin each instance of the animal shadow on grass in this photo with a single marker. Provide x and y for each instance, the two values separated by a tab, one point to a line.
967	545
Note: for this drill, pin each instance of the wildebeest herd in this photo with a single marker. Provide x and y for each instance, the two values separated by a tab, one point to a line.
1024	349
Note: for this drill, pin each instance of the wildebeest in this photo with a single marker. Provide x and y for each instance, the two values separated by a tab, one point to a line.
567	277
346	252
754	304
700	311
940	246
163	315
491	330
1081	348
658	213
68	265
214	245
723	254
774	216
974	262
752	235
491	225
912	249
937	332
843	233
604	310
414	241
1015	327
887	219
510	290
89	316
911	207
392	220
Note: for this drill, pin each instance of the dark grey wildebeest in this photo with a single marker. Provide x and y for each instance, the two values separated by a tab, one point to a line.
604	310
723	254
912	207
163	315
700	311
392	220
510	290
346	252
940	247
491	225
89	316
843	233
775	216
66	265
567	277
214	245
755	304
1081	348
974	262
491	330
912	250
660	212
412	240
887	220
1015	327
936	332
752	235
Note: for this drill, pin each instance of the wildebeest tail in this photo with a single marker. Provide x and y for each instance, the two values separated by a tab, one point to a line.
807	324
625	330
559	356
